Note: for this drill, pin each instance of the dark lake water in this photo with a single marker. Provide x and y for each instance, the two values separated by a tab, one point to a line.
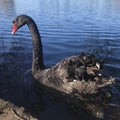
67	27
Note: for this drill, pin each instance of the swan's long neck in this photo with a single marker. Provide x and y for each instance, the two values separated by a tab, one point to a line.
37	63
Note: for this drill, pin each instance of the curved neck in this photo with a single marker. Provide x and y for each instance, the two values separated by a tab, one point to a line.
37	63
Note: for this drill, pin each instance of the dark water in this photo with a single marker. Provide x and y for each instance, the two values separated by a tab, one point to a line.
67	27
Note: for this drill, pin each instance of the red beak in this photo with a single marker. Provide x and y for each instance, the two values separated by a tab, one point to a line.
14	28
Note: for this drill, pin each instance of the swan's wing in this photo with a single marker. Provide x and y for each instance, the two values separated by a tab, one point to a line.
80	67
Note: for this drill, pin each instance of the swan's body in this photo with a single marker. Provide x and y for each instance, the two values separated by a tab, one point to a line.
75	76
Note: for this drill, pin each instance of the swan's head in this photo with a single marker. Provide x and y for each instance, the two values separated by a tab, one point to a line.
18	22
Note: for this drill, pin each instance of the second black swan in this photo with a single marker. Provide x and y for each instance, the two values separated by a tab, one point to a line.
76	76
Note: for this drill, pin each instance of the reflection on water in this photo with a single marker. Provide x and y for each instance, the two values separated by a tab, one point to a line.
67	27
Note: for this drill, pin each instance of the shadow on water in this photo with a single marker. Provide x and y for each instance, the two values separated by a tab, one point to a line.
15	85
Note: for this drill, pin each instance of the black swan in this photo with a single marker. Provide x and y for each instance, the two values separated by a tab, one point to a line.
76	76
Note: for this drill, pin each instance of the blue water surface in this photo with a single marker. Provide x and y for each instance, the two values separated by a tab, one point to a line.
67	27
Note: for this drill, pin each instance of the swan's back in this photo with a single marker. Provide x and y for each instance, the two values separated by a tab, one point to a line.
75	75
